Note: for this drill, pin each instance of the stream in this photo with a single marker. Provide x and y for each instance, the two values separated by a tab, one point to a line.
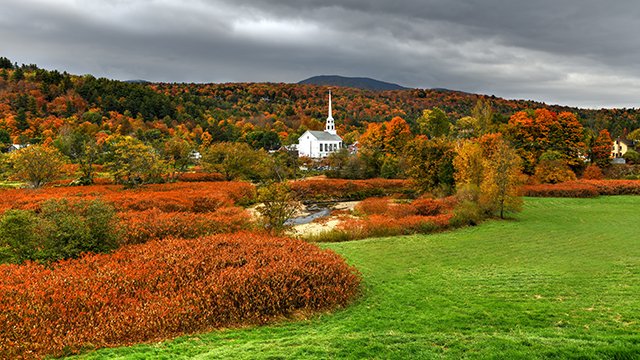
315	212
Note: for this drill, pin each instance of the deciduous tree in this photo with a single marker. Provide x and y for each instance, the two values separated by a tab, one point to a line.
601	149
499	189
430	164
131	162
36	164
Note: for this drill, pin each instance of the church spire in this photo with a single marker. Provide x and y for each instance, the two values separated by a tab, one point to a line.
330	126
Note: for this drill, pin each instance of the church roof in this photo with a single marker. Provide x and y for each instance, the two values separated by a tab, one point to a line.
324	136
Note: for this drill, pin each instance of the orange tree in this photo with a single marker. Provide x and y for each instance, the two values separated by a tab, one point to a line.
534	132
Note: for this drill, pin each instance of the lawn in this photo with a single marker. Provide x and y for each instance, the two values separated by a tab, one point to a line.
560	281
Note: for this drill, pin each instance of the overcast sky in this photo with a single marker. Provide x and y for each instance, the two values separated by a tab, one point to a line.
579	52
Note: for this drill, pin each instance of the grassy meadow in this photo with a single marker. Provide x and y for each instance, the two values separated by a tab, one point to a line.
562	280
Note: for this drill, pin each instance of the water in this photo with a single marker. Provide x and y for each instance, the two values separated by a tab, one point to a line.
301	220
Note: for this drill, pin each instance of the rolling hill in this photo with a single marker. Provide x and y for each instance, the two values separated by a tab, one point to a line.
353	82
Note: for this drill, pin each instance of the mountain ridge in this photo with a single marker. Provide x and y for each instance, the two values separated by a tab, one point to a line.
365	83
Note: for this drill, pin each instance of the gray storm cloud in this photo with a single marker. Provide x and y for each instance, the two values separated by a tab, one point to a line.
581	53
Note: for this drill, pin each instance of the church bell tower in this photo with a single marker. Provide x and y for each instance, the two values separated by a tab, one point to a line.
330	126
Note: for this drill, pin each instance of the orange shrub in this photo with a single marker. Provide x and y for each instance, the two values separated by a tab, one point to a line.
584	188
200	177
163	289
339	189
567	189
198	197
592	172
373	206
427	206
141	226
379	225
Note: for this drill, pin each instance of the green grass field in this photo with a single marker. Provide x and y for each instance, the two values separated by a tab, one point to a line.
561	281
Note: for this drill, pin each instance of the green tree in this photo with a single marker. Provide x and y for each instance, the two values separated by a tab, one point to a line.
177	155
277	205
18	74
434	123
36	164
82	149
237	161
60	230
131	162
483	113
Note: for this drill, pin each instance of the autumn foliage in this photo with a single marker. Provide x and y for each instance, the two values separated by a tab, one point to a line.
177	197
338	189
163	289
385	217
583	188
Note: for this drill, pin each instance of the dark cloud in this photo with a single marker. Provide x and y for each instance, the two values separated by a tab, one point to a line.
580	53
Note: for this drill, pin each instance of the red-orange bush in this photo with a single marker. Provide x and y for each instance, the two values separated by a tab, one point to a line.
584	188
592	172
380	225
164	289
200	177
339	189
567	189
141	226
373	206
428	206
383	217
196	197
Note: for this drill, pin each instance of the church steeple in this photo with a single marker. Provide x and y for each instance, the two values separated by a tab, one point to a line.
330	126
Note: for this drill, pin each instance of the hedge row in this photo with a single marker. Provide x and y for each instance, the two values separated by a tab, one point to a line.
175	197
339	189
163	289
583	188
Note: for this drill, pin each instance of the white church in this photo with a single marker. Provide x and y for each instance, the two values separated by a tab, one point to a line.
319	144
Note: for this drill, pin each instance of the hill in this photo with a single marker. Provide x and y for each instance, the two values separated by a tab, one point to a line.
353	82
37	104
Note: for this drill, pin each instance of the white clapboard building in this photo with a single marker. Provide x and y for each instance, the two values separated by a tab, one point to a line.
319	144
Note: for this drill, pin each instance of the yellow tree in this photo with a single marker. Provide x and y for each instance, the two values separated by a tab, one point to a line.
468	164
502	174
36	164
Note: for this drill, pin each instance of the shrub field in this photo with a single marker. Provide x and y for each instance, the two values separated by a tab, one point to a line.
163	289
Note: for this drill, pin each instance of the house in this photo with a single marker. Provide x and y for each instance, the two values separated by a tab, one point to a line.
319	144
621	146
15	147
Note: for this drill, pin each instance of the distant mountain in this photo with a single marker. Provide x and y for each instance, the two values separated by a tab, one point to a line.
352	82
138	81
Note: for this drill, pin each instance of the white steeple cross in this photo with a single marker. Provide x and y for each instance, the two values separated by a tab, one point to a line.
330	127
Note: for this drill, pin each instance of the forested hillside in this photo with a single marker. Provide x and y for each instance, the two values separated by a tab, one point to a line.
35	104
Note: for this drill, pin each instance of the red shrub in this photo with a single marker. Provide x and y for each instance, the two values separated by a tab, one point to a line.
141	226
200	177
428	206
164	289
373	206
379	225
335	189
592	172
197	197
584	188
568	189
